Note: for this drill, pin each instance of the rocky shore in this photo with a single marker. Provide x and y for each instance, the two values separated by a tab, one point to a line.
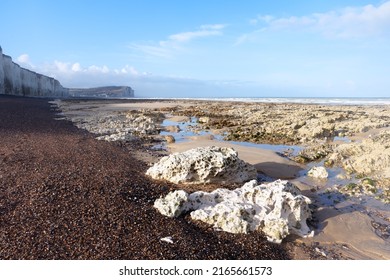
73	182
354	138
66	195
336	155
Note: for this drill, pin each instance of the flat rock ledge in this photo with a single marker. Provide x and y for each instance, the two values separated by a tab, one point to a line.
203	165
277	209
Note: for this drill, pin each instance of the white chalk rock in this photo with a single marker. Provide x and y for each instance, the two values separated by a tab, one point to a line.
167	239
277	209
318	172
203	165
204	120
173	204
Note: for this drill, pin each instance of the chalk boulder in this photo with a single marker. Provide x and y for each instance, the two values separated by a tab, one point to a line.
277	209
318	172
173	204
203	165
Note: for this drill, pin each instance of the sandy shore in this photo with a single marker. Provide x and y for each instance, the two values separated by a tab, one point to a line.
347	227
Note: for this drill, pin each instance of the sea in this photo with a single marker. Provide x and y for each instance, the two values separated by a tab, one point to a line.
301	100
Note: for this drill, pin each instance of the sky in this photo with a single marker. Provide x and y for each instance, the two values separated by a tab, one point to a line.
205	48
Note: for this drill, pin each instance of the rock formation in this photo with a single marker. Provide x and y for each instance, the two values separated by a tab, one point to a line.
287	123
277	209
203	165
15	80
371	156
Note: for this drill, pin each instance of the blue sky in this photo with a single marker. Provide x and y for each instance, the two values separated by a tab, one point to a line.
208	48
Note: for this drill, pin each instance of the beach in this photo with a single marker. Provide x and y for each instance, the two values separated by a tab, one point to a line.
73	182
66	195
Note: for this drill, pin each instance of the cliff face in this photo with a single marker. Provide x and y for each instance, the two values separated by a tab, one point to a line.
15	80
103	92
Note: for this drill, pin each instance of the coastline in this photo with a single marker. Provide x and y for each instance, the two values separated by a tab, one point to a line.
66	195
349	211
329	242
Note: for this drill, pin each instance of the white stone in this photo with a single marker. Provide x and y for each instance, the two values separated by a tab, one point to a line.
203	165
167	239
204	120
277	209
318	172
173	204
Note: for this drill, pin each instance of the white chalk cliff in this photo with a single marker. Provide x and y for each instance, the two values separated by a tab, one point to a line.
15	80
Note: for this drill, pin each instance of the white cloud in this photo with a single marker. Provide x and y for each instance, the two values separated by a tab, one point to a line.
98	69
351	22
205	31
174	42
24	58
159	50
61	66
73	74
213	26
188	36
76	67
128	70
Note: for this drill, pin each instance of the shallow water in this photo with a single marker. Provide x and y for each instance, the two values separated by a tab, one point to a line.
186	131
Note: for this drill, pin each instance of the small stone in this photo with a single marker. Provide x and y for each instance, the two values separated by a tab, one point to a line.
318	172
172	128
167	239
170	139
204	120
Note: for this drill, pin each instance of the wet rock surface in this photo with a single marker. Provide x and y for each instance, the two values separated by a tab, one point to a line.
65	195
289	123
371	156
355	138
114	126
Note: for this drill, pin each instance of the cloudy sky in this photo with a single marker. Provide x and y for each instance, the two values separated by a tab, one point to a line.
196	48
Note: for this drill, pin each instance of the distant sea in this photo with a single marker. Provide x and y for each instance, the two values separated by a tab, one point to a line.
304	100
